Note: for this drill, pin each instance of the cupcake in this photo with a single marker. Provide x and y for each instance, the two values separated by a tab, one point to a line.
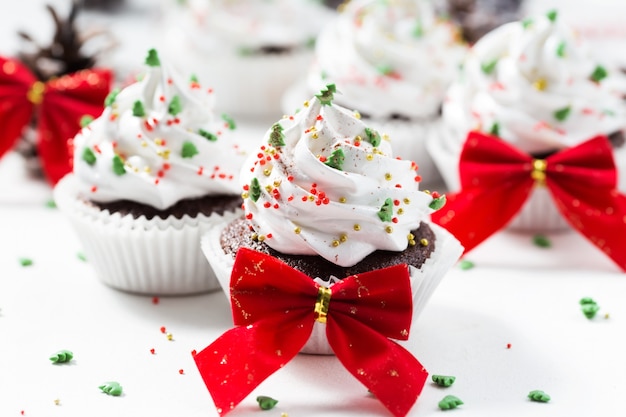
252	49
150	175
324	195
535	85
393	61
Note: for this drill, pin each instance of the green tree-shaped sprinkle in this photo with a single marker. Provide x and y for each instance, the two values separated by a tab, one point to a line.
138	110
326	96
386	211
118	165
111	388
230	121
266	403
336	158
552	15
562	114
62	356
373	136
85	120
539	396
526	23
255	190
152	59
438	202
193	78
189	150
449	402
110	98
418	30
89	156
489	66
598	74
277	138
175	106
589	307
207	135
495	129
560	50
443	380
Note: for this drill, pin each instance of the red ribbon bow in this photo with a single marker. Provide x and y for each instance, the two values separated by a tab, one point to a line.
274	308
58	106
496	180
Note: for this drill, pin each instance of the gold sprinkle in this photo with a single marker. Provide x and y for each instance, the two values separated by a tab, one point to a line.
389	229
311	198
606	316
335	243
410	236
541	84
388	176
343	238
159	141
314	136
267	172
369	157
297	230
57	402
244	195
358	138
261	238
411	243
306	104
284	415
407	201
342	199
424	242
277	183
386	137
400	211
357	115
135	169
357	227
268	188
144	143
147	170
313	129
169	336
255	237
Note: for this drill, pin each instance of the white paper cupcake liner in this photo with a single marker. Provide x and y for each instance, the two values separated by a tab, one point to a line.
424	280
156	257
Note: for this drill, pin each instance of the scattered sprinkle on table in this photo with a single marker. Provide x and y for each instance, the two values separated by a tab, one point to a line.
465	264
155	300
538	396
589	307
51	204
57	402
181	371
443	380
449	402
62	356
266	403
26	261
508	346
111	388
542	241
81	256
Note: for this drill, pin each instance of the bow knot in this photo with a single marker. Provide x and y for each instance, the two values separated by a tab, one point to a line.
56	105
272	311
495	184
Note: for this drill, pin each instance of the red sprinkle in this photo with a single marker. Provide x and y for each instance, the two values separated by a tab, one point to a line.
94	189
319	117
394	220
180	371
435	194
194	352
162	98
418	178
322	158
249	216
155	300
290	178
508	346
269	236
152	351
267	204
396	202
163	329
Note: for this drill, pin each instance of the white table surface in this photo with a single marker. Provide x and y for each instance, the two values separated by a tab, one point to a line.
517	294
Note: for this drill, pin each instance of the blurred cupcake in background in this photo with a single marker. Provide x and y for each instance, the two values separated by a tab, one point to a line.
149	176
252	49
393	61
536	85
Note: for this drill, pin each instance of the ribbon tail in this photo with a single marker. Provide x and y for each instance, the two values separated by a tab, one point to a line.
389	371
475	214
598	215
239	360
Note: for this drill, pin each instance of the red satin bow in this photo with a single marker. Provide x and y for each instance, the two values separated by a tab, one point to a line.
496	180
274	308
58	105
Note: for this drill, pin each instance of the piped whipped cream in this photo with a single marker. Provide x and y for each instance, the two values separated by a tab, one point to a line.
246	26
536	85
323	183
391	58
157	142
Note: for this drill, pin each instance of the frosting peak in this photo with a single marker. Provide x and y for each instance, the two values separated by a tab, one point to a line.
157	142
325	184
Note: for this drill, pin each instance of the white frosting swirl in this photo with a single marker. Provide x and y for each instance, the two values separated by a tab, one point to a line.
240	26
177	149
389	58
539	85
320	193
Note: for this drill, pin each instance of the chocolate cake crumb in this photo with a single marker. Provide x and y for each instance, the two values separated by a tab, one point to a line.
192	207
239	234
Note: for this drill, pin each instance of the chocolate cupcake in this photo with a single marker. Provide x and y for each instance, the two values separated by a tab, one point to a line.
150	175
325	195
